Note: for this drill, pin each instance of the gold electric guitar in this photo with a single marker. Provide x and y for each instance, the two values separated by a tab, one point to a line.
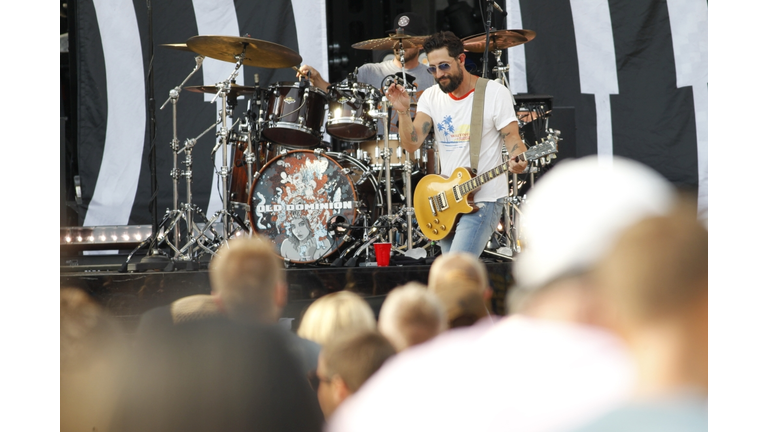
439	201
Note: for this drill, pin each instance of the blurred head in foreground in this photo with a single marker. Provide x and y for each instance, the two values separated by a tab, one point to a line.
249	279
411	315
654	282
346	362
460	281
92	360
570	221
334	313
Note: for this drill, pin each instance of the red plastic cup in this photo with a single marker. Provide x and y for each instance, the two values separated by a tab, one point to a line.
382	253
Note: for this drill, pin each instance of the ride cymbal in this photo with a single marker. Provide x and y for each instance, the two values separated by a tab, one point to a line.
256	52
391	42
498	40
234	89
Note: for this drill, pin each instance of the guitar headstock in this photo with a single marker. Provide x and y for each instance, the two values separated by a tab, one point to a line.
545	147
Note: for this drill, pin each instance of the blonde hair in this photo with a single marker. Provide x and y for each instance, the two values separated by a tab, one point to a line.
245	275
334	313
458	268
411	315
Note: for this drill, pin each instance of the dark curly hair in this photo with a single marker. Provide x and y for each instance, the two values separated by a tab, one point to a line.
444	39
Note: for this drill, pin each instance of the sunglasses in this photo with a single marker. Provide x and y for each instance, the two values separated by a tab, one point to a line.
442	66
315	380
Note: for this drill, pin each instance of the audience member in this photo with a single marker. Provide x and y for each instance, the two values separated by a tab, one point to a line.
93	349
655	280
248	285
545	367
333	313
219	374
411	315
346	362
460	281
235	370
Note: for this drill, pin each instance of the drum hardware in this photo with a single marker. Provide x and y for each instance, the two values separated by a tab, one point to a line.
173	97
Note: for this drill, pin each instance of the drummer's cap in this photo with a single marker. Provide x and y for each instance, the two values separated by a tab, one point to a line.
412	24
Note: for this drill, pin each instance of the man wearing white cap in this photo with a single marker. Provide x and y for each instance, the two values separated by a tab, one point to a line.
544	368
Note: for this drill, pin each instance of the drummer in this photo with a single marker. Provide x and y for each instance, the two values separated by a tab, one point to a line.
375	74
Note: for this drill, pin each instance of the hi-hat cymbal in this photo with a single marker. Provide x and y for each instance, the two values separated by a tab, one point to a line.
498	40
392	42
258	53
234	89
177	46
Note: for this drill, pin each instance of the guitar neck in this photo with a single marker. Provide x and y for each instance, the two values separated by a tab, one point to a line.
476	182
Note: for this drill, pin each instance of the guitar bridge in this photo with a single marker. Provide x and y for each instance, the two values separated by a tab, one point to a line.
432	205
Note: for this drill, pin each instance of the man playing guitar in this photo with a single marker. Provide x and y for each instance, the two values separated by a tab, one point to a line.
448	107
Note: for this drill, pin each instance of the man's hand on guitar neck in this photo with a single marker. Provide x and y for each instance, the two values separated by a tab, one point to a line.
515	146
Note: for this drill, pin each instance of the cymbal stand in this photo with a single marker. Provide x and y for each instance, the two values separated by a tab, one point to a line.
383	114
173	97
188	208
501	70
223	133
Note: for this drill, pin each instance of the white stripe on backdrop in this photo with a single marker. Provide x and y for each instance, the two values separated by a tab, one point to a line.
118	179
597	65
518	79
216	18
688	22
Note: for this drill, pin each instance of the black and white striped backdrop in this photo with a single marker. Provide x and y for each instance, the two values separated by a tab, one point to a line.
634	72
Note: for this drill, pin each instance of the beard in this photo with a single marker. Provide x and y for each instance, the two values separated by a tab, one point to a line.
454	81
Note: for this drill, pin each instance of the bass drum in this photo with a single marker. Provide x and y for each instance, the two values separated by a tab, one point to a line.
294	199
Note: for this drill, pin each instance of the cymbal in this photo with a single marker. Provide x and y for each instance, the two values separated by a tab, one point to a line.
177	46
258	53
234	89
499	40
392	42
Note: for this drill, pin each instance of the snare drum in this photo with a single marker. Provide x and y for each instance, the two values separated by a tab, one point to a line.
294	116
294	197
348	108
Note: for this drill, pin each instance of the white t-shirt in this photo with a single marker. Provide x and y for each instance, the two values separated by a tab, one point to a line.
451	120
520	374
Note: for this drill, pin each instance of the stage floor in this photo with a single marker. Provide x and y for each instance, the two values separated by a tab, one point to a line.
128	295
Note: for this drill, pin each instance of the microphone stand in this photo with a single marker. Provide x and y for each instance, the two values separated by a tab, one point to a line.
488	18
154	260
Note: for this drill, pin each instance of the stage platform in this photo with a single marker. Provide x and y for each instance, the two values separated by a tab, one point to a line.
129	294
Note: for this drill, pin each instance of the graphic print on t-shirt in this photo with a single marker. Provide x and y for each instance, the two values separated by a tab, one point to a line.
452	137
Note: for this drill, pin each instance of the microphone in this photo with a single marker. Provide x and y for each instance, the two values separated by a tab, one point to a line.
498	8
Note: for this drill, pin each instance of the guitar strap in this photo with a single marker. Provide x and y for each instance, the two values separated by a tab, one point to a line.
476	126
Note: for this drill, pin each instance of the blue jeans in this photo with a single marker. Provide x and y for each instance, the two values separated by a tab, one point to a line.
474	229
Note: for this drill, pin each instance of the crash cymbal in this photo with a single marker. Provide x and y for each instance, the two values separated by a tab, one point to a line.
234	89
499	40
392	42
258	53
177	46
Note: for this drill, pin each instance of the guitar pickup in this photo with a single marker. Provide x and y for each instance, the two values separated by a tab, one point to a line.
456	194
442	201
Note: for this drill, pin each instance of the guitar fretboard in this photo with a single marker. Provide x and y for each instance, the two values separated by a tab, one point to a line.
483	178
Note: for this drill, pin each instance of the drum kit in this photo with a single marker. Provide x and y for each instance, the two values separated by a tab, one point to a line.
318	206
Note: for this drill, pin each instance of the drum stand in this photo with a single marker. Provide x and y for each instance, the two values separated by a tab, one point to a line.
175	172
225	171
